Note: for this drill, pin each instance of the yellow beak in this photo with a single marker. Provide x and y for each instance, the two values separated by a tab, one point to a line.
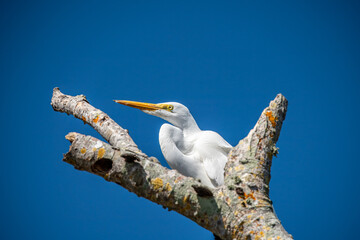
141	105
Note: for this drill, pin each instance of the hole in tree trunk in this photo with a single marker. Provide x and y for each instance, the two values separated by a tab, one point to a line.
103	165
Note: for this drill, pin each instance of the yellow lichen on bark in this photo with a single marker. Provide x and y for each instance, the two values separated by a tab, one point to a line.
83	150
168	187
187	205
101	153
220	194
239	167
157	183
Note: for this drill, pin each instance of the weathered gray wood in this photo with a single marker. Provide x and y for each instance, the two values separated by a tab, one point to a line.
241	209
80	108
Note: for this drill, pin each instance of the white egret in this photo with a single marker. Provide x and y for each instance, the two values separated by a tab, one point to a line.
186	148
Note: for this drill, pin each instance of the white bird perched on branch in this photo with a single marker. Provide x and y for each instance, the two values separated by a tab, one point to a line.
192	152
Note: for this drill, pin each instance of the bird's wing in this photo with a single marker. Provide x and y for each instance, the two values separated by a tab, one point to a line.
212	149
170	137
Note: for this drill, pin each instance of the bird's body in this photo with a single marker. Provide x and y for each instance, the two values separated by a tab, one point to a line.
186	148
199	154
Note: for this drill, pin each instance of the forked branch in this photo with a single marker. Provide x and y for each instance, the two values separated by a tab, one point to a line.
241	209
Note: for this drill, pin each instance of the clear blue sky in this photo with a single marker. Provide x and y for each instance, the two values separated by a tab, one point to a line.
225	60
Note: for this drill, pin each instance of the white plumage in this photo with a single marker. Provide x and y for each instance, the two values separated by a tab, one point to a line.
186	148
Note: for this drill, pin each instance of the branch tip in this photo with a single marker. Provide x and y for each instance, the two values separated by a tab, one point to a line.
280	95
56	92
71	136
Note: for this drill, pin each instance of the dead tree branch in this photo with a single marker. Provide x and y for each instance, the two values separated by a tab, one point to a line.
241	209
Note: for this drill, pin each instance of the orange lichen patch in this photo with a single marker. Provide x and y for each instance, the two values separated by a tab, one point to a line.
251	195
246	196
186	198
248	217
94	149
262	234
157	183
83	150
168	187
271	118
96	119
101	153
84	119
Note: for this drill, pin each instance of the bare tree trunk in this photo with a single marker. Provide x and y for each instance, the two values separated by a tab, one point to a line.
241	209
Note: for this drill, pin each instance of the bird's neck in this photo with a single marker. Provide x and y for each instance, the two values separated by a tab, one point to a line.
190	126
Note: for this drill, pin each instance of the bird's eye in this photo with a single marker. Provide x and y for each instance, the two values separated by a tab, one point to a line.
170	107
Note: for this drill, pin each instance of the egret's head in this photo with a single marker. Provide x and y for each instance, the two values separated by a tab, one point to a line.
173	112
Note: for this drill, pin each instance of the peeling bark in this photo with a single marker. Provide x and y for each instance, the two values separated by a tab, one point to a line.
241	209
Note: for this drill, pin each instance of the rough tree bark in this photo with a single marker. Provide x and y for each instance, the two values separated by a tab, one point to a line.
241	209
